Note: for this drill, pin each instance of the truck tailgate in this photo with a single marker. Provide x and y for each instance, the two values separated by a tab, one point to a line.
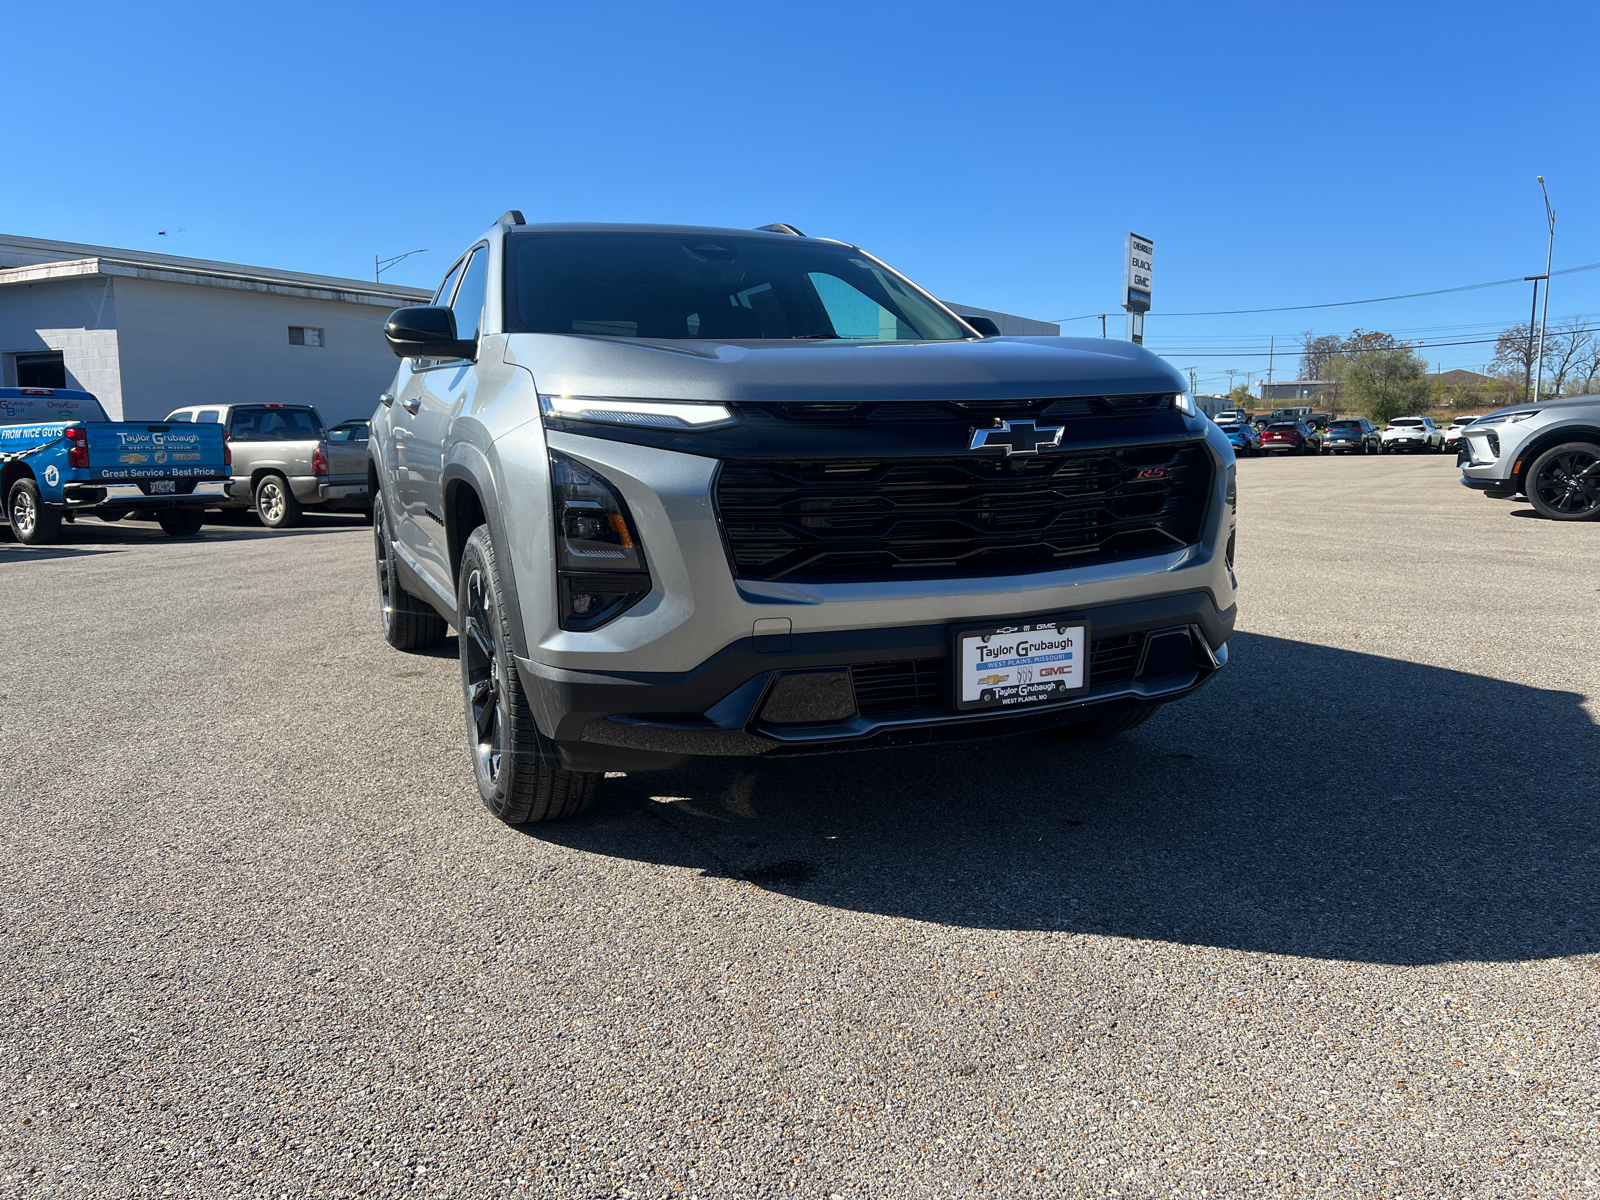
134	450
346	458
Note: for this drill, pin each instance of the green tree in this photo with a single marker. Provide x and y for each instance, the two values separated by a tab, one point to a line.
1240	395
1386	382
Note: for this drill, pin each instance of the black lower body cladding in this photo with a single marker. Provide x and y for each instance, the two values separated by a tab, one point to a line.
859	689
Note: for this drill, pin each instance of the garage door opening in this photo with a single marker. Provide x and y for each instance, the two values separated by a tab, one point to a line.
42	370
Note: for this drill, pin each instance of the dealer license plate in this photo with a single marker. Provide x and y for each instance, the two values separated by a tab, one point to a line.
1009	666
163	487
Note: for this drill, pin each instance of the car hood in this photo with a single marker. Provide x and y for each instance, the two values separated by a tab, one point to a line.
1006	368
1591	403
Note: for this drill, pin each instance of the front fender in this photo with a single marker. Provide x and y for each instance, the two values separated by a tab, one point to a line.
472	487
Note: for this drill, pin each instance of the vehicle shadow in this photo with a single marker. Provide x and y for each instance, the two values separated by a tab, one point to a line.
16	552
89	531
1313	801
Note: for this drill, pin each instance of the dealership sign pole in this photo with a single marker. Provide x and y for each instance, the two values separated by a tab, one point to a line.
1136	256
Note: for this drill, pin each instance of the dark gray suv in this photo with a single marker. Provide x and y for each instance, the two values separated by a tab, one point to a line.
699	491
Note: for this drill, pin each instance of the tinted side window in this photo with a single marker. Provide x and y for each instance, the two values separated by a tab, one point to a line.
449	285
208	417
180	416
468	303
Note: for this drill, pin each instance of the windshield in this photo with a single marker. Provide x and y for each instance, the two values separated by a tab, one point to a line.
251	423
348	433
1405	423
711	286
1345	425
1284	425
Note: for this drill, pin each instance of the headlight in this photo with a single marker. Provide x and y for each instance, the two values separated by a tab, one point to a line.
1184	403
655	414
1502	420
599	563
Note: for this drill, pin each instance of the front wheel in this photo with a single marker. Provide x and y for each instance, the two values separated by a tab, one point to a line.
181	522
515	764
33	521
1564	482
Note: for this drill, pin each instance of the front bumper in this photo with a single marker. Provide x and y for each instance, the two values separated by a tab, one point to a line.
1157	650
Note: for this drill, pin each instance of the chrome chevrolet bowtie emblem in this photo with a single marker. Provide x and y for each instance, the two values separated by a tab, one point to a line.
1016	437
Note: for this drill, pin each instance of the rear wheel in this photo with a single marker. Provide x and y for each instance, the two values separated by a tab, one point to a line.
181	522
275	503
33	522
1564	482
515	765
408	623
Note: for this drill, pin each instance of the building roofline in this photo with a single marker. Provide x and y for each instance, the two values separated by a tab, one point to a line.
57	260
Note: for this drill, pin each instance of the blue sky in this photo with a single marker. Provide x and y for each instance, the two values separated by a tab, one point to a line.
1277	154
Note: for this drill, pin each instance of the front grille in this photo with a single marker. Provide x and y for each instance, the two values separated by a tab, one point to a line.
829	519
922	684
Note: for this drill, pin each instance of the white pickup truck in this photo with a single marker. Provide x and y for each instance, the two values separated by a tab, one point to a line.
284	462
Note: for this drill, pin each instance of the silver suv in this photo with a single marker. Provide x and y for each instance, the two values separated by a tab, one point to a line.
695	491
1548	452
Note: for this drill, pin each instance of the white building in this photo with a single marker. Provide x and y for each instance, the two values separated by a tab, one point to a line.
147	333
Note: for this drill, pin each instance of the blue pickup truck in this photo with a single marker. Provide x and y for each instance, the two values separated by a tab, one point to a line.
60	456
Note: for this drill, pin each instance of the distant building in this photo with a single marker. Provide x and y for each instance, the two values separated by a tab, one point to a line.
1010	325
1463	378
1299	393
148	333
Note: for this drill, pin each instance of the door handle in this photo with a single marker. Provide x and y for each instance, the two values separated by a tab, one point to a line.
387	399
411	404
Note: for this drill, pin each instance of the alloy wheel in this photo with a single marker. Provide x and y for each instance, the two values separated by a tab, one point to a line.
269	503
1570	483
484	680
380	546
23	514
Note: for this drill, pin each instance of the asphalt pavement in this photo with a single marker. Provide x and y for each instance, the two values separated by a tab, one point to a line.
1328	928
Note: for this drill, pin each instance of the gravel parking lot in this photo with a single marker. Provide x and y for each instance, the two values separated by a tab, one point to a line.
1327	929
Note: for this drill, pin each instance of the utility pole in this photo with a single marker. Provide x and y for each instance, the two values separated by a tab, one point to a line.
1549	255
1527	376
1102	324
1272	350
1231	373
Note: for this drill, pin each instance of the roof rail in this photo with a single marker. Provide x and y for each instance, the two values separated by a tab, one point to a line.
779	227
512	216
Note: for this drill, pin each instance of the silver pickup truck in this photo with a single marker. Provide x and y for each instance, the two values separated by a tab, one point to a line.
284	462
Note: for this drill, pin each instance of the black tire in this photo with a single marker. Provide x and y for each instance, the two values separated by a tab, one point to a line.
1104	727
181	522
408	622
33	522
1564	482
275	503
514	764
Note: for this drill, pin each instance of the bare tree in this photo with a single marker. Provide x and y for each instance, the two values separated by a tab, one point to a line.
1513	352
1586	370
1316	353
1565	347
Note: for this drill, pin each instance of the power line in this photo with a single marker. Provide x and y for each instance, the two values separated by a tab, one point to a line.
1237	312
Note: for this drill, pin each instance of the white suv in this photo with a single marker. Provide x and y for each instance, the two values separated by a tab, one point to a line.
1413	433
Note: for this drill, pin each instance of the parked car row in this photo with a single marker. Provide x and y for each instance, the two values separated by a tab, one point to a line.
1346	435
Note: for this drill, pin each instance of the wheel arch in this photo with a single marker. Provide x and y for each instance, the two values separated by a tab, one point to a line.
12	472
470	499
1542	442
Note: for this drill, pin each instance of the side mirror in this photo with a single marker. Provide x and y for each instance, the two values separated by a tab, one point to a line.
427	331
985	327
